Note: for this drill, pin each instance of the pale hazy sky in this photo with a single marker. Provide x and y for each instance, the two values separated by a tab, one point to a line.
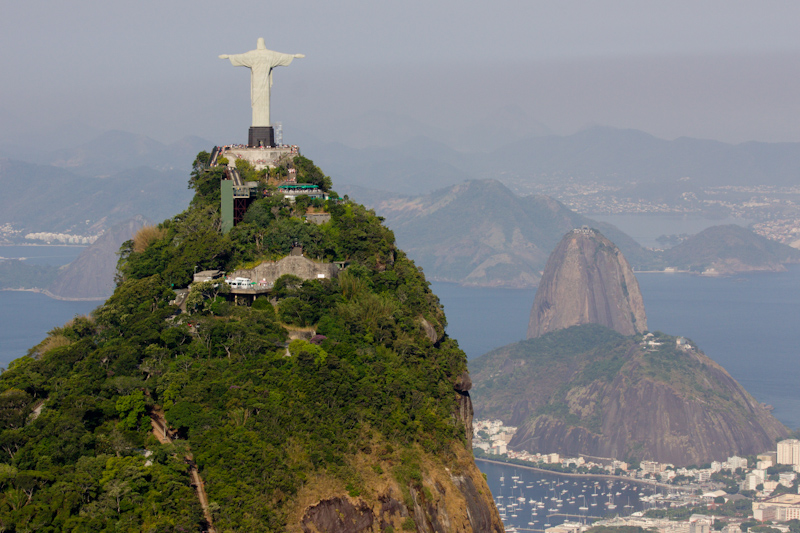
723	69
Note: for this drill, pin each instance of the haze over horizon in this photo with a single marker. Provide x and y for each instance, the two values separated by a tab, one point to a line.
377	74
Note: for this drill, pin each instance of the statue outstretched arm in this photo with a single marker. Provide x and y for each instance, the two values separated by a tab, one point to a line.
237	60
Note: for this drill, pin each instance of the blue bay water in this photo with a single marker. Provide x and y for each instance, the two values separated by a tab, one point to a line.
26	317
746	323
519	493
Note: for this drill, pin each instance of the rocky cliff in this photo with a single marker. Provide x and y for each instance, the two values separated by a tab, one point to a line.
587	281
589	390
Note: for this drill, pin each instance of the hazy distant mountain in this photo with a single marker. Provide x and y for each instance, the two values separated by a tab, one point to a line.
729	249
117	151
624	157
619	155
490	130
47	198
418	166
91	275
480	233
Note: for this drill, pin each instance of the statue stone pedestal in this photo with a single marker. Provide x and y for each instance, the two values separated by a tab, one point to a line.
261	136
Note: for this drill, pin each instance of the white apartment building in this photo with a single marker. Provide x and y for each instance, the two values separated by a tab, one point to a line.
789	452
735	462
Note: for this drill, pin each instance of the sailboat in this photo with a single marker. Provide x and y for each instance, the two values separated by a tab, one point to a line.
611	504
628	505
584	507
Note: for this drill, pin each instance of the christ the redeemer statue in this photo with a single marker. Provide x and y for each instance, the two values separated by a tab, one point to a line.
260	62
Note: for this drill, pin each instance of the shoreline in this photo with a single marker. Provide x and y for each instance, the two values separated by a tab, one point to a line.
56	297
570	474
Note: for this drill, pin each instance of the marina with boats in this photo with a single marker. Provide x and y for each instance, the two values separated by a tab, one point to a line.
530	500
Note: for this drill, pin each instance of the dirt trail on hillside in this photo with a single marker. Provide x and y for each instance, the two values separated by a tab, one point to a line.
162	433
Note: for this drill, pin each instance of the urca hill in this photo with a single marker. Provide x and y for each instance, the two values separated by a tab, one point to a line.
579	387
335	403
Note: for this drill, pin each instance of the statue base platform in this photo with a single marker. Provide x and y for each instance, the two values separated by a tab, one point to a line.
261	136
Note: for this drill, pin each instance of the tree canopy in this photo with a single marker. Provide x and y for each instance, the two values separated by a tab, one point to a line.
262	410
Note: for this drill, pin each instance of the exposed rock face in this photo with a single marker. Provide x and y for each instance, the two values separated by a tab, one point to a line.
480	234
91	275
296	265
586	390
464	411
587	281
443	502
338	514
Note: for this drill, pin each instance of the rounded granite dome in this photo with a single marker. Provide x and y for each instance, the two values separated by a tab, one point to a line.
587	280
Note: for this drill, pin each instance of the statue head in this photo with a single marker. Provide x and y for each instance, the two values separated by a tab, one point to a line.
260	44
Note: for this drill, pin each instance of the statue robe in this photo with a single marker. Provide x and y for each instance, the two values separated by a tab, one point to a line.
260	62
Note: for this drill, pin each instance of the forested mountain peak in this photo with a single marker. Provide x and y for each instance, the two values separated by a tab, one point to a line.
334	404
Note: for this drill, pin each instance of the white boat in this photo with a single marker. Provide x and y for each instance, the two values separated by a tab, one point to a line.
583	507
611	504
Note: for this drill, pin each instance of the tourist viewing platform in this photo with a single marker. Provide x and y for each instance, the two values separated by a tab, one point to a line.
260	157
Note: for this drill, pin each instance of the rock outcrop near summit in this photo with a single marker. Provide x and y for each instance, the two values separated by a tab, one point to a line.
587	281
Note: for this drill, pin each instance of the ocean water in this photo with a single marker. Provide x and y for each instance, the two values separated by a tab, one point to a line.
26	317
43	255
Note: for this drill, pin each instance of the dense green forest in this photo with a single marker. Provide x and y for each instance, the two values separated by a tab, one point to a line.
263	417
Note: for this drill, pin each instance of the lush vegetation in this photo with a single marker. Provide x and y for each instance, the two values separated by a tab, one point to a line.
589	353
262	416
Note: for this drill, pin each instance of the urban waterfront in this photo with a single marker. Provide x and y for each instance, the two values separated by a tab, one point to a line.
532	500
